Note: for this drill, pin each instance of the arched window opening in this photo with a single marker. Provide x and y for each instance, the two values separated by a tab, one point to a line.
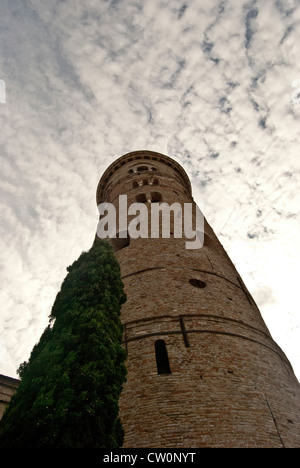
131	171
141	198
135	183
121	241
142	168
153	168
155	182
162	359
145	182
156	197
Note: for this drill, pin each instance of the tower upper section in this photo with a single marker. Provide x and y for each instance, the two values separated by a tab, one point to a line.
121	175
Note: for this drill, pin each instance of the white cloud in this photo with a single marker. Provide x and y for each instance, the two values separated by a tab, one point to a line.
212	84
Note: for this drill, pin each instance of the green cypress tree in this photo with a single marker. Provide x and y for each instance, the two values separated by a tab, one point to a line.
70	386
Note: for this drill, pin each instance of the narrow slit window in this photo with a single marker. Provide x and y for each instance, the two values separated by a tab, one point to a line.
162	359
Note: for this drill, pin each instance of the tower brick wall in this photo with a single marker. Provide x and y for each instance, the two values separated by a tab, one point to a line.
8	387
203	369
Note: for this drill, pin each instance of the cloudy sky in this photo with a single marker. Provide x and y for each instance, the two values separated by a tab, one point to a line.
213	84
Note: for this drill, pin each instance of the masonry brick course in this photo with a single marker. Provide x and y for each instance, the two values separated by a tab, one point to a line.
230	384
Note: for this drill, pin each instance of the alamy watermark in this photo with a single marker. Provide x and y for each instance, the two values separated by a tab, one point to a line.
155	222
2	92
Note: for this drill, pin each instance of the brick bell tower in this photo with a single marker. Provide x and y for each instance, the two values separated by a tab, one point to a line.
203	369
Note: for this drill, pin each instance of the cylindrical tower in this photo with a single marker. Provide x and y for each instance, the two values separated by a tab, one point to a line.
203	369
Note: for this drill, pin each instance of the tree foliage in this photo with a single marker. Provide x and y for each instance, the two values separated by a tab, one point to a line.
70	386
